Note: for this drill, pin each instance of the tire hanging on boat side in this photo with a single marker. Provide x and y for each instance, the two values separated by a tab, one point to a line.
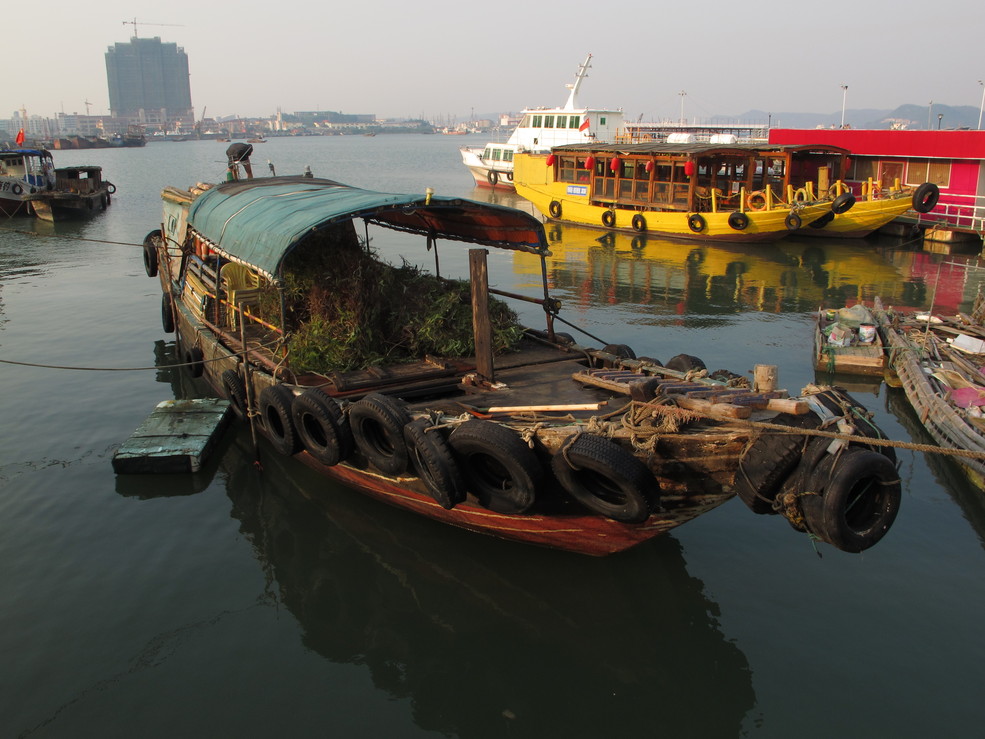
500	469
434	463
275	411
167	314
377	423
235	388
605	478
195	361
322	427
150	252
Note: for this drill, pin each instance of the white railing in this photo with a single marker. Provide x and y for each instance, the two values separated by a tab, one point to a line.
966	213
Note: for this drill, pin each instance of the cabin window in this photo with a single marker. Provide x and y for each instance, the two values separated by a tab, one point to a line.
863	169
920	171
562	121
496	155
581	173
548	121
602	120
537	121
566	169
574	122
487	154
507	155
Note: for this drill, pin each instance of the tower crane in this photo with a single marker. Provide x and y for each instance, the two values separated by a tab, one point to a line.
134	24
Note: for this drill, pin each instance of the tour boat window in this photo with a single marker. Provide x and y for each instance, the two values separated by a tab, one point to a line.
573	121
548	121
562	121
602	120
863	168
566	169
924	170
496	155
537	121
487	154
507	155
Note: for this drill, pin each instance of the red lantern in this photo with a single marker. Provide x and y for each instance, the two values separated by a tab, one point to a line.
550	160
614	164
689	167
649	166
590	163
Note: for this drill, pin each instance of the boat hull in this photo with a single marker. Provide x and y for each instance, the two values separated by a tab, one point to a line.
497	176
56	206
865	217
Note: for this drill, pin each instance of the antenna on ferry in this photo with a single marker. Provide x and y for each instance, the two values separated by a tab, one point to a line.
582	74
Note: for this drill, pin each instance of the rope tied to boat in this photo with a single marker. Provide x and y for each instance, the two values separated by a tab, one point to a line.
565	446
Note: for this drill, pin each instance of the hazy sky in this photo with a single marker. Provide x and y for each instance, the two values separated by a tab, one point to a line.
400	58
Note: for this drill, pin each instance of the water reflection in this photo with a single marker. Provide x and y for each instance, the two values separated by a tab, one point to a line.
487	638
595	267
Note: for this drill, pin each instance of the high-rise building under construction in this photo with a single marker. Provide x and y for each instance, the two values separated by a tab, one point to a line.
148	82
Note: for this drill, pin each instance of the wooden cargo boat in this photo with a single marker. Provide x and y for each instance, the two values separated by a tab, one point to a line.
943	383
78	192
846	342
23	172
727	192
517	433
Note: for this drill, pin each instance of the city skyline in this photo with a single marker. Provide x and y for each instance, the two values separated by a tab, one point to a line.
402	60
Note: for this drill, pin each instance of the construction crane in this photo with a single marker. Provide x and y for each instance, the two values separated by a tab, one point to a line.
88	105
134	24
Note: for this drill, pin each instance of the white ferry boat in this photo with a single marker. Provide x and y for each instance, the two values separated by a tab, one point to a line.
539	130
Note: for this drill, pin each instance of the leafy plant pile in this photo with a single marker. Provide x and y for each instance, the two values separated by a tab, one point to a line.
346	310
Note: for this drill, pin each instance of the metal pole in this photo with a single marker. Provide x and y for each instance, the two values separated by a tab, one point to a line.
981	108
844	94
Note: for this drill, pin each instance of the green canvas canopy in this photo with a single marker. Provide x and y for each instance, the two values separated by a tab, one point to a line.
258	222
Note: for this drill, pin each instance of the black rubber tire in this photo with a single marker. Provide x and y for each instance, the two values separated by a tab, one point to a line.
555	209
861	494
609	218
619	350
926	197
606	479
275	411
377	423
738	220
843	203
639	223
167	314
822	221
685	363
492	177
110	188
151	241
696	222
195	361
793	221
434	463
500	469
235	388
322	427
769	461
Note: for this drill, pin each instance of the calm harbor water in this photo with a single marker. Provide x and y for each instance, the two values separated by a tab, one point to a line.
235	602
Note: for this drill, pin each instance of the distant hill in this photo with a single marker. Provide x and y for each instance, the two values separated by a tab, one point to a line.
910	116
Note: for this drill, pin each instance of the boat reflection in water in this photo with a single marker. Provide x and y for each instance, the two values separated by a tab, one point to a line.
785	276
475	632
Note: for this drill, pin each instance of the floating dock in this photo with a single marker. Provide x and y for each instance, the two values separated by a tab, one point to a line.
176	437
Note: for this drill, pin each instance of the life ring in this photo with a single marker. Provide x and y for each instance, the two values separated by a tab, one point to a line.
377	423
434	463
151	241
738	220
275	411
801	195
793	221
608	218
639	223
16	189
322	426
926	197
696	222
110	188
843	203
833	191
500	469
555	209
493	177
605	478
685	363
235	388
195	361
167	314
756	200
860	497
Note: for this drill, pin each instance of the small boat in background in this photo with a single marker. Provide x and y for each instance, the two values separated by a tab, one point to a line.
23	173
78	192
846	342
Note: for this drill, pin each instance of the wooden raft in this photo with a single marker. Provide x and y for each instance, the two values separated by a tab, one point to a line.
703	397
176	437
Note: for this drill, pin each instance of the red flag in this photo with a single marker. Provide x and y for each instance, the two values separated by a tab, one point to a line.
20	137
584	123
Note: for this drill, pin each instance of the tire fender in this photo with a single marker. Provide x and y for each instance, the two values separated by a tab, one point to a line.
434	463
555	209
167	314
738	220
377	423
843	203
195	361
151	241
605	478
500	469
793	221
925	197
639	223
323	429
275	412
609	218
235	388
696	222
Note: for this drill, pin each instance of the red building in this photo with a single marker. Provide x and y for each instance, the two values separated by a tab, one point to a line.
953	160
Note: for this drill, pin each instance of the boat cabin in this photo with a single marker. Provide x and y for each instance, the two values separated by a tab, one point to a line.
32	166
697	177
83	180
